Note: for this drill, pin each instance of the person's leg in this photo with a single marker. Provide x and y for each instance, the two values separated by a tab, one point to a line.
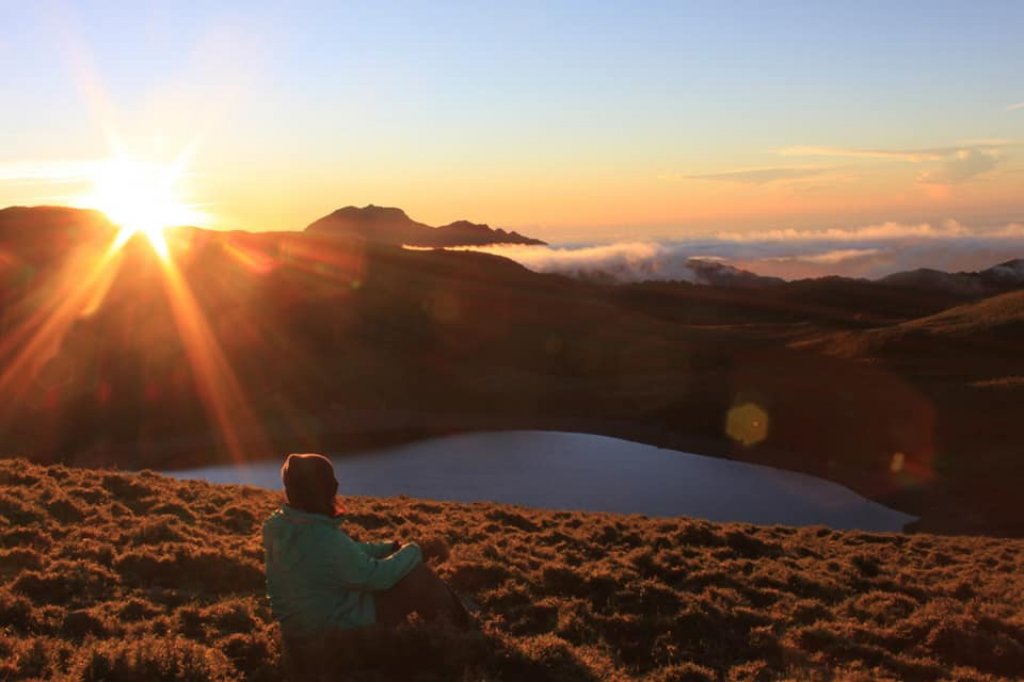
422	592
307	659
320	657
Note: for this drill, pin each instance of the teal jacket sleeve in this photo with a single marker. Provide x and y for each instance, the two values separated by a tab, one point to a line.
377	550
355	569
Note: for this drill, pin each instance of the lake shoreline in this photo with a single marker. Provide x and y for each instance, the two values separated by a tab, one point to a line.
345	430
568	471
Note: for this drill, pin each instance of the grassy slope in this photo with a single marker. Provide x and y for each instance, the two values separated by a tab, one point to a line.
105	575
975	334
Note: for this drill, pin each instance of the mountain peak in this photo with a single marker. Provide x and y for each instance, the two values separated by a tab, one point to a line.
390	225
372	211
465	225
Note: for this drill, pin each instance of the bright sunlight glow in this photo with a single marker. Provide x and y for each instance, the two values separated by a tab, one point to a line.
141	197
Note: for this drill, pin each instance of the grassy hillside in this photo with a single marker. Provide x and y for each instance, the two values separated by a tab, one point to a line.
974	341
110	576
965	362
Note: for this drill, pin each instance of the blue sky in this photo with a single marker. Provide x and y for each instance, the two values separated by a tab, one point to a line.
564	117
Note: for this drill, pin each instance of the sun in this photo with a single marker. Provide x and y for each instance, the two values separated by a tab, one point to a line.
141	197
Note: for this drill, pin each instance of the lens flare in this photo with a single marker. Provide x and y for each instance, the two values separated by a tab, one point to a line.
219	389
747	424
142	197
27	349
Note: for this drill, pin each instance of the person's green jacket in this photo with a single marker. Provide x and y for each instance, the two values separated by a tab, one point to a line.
318	578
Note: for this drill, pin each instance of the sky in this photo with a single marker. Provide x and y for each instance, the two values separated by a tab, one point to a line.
568	121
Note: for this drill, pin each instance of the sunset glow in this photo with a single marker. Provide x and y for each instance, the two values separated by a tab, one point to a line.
141	198
739	117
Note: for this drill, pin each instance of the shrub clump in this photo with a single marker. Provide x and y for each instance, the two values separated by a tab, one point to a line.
190	567
151	658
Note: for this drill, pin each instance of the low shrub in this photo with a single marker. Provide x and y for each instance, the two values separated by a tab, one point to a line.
152	659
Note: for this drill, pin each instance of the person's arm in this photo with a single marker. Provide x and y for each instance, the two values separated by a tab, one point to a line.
379	550
357	570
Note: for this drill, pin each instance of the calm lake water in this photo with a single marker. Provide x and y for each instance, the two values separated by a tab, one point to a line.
580	471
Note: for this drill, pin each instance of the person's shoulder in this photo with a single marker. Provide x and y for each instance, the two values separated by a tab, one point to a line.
293	521
275	516
275	522
329	529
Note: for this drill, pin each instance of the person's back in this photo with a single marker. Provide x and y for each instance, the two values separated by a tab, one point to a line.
319	579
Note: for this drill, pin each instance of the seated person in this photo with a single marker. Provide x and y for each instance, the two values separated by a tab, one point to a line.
322	583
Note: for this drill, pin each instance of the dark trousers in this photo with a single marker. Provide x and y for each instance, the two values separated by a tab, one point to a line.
324	658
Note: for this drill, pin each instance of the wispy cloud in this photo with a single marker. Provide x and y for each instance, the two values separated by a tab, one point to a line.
900	154
909	155
949	165
882	231
760	176
47	171
1015	107
964	165
953	165
828	257
1011	231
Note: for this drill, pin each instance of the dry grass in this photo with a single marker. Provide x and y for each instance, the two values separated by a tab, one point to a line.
109	576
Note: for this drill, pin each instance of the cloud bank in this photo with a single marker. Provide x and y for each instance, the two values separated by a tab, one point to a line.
622	262
871	251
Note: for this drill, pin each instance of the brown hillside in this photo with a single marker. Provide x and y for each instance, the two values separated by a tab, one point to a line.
966	362
1002	315
320	342
996	322
109	576
974	343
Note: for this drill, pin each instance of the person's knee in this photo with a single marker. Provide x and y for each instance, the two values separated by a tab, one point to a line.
419	576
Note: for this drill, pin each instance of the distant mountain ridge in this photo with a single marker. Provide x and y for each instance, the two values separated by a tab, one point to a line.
715	273
998	279
389	225
52	227
993	280
1006	276
1010	271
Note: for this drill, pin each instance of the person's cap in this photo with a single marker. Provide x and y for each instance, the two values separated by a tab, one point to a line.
309	483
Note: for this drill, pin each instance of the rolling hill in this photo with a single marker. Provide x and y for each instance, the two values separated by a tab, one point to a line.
973	340
320	341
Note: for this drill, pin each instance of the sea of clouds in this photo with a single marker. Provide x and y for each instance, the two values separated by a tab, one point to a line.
869	252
